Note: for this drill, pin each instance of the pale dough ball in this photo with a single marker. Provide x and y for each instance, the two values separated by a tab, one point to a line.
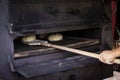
29	38
55	37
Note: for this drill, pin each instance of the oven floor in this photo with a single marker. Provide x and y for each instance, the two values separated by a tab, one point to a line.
23	50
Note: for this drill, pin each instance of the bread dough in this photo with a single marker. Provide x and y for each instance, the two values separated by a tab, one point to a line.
29	38
55	37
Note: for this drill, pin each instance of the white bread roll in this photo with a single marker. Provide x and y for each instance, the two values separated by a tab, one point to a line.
55	37
29	38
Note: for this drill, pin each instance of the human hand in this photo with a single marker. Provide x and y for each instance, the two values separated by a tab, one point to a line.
107	56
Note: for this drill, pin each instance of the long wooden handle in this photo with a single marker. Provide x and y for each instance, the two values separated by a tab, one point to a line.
90	54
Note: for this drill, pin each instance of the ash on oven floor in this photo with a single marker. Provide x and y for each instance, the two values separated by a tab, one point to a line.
23	50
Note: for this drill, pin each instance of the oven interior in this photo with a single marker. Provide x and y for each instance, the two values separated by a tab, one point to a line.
71	39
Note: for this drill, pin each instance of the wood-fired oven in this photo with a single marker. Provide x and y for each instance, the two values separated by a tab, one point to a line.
84	24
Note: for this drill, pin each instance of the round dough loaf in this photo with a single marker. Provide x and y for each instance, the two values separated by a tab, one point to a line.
29	38
55	37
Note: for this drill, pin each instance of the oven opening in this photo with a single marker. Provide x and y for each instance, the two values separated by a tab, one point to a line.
79	39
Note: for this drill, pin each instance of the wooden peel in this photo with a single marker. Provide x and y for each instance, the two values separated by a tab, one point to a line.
90	54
